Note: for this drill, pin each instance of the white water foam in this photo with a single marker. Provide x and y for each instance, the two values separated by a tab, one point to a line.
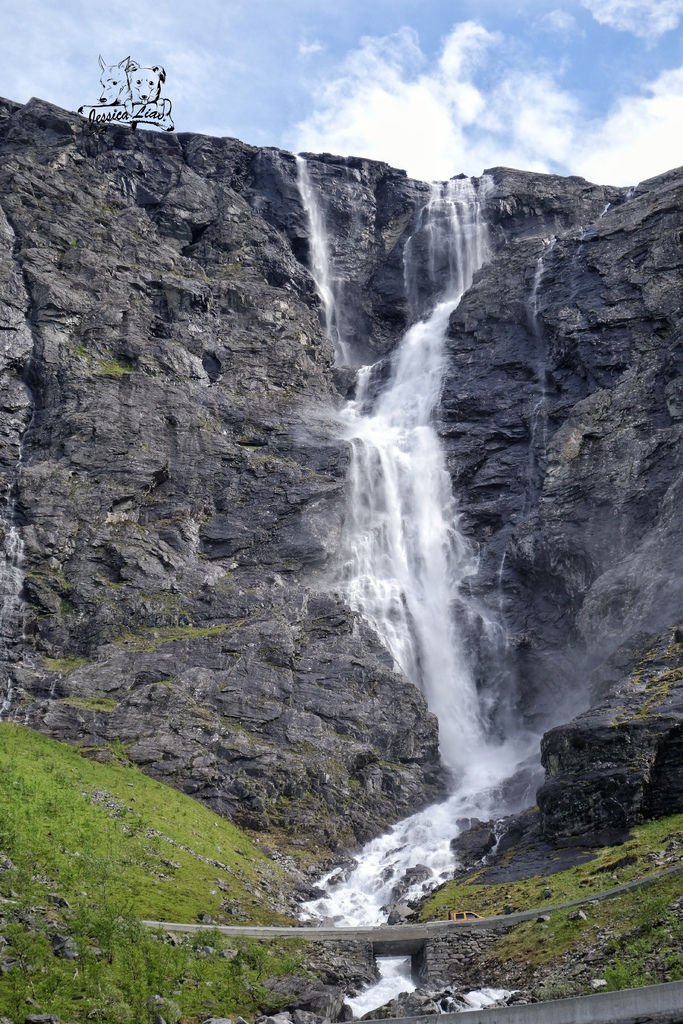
484	997
406	560
422	839
394	979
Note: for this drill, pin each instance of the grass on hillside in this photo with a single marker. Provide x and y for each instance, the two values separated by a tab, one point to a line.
109	828
633	939
611	866
638	936
118	846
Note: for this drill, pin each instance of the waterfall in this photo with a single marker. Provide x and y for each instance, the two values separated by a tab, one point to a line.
538	420
11	581
405	555
405	558
325	282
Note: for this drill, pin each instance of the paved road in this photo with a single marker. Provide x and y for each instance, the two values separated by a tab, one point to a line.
395	935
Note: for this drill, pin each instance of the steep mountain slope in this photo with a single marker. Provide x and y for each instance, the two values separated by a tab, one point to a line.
177	486
175	482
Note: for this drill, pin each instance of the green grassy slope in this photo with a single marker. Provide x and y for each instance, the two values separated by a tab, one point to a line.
634	939
653	847
117	846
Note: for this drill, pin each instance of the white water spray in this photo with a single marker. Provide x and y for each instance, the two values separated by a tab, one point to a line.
405	558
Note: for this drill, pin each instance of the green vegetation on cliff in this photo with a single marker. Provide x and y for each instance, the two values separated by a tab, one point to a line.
88	849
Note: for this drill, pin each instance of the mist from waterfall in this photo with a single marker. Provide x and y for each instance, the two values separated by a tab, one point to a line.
405	560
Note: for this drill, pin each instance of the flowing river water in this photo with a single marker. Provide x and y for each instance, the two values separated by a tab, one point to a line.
405	559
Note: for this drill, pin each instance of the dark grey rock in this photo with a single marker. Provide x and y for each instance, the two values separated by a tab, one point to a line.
305	1017
413	876
309	995
170	459
399	914
472	845
56	900
620	762
64	947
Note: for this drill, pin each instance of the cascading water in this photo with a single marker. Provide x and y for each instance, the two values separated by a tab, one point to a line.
320	261
405	559
539	414
11	581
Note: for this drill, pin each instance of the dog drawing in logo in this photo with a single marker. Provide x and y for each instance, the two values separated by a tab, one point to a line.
115	81
145	83
130	94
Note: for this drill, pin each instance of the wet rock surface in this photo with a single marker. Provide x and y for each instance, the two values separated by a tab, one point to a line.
621	761
426	1001
474	842
523	852
171	462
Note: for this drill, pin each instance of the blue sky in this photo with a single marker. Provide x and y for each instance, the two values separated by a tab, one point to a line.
590	87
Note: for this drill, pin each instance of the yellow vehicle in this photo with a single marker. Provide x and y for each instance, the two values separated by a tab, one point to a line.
463	915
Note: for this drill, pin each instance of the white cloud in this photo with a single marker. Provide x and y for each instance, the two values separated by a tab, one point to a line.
51	50
646	18
641	137
387	103
439	121
309	49
559	21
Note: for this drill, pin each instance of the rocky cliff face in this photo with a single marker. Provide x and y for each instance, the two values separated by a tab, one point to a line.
170	461
174	481
562	416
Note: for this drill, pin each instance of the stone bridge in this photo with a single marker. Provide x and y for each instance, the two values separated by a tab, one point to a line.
438	949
